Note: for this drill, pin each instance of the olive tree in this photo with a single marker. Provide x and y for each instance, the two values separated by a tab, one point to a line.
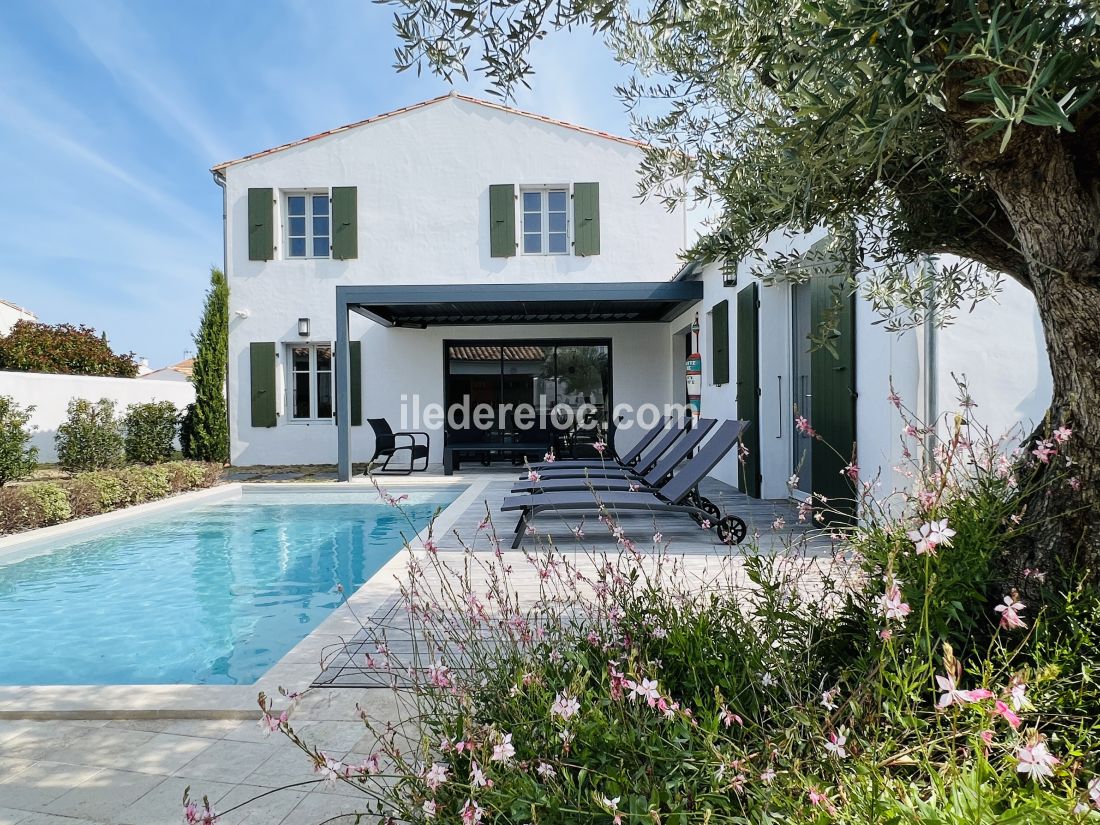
912	129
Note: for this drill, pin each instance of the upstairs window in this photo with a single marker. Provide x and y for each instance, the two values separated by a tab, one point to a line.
308	225
545	221
311	382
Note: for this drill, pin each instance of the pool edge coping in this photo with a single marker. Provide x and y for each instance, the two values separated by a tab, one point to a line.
43	702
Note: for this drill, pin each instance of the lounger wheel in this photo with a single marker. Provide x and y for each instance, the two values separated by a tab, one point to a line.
713	514
732	530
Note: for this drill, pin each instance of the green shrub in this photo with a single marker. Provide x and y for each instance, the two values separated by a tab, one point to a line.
17	458
91	437
207	418
146	483
44	504
150	431
191	475
97	492
64	348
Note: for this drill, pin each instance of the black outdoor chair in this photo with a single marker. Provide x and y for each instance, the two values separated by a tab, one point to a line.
386	446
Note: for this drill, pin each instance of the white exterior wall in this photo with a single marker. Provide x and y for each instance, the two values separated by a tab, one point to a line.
1000	351
50	395
999	348
10	313
423	182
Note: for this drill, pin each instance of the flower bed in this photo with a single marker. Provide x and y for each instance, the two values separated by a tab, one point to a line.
39	504
898	682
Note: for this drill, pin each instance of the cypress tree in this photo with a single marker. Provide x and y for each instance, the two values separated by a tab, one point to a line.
208	421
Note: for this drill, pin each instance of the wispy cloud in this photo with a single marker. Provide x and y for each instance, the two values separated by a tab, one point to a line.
123	45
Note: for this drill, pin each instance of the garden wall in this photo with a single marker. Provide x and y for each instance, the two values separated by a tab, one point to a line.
50	395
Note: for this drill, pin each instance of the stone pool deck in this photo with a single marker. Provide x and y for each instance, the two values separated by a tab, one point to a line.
129	767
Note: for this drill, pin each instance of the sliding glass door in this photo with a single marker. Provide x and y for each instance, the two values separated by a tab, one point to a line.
535	391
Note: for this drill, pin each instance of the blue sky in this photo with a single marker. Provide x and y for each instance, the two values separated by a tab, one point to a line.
111	114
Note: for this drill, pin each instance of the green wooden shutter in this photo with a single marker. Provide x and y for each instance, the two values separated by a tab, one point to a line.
355	363
502	220
720	343
262	357
586	218
345	231
748	385
261	224
833	387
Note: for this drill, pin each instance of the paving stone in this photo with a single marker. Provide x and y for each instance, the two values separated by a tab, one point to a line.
267	810
42	783
104	795
163	804
227	761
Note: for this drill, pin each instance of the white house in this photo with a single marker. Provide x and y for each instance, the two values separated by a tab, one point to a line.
11	313
458	249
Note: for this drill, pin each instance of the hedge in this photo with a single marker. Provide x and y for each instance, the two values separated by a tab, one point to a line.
28	506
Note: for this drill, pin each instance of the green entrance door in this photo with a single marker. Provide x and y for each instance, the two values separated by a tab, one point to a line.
833	388
748	384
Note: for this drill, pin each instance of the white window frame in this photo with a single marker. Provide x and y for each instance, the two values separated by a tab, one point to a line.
312	372
309	195
544	218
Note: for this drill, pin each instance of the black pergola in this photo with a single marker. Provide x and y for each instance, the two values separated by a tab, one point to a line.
422	305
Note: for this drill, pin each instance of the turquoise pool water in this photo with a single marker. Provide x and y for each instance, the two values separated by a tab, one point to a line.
211	594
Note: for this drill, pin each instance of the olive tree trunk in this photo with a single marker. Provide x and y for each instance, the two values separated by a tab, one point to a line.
1054	209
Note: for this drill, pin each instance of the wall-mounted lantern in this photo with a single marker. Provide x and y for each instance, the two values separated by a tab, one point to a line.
729	272
303	327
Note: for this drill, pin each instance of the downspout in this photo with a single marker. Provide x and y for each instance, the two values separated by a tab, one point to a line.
931	371
219	179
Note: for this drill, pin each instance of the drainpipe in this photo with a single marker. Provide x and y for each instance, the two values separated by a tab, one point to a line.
931	371
219	179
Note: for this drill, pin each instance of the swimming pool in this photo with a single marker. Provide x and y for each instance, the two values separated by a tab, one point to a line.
211	594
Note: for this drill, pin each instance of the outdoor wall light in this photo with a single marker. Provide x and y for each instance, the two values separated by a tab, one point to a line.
242	313
729	272
303	327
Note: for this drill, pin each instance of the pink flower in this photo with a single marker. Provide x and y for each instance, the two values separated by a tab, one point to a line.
330	769
828	698
836	743
728	717
504	751
1010	613
436	775
931	535
894	399
952	695
646	689
471	813
767	776
599	446
803	426
820	800
193	814
890	604
851	469
533	476
1017	695
429	809
1035	761
477	776
546	770
550	458
1005	712
1044	450
439	675
1062	434
565	706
